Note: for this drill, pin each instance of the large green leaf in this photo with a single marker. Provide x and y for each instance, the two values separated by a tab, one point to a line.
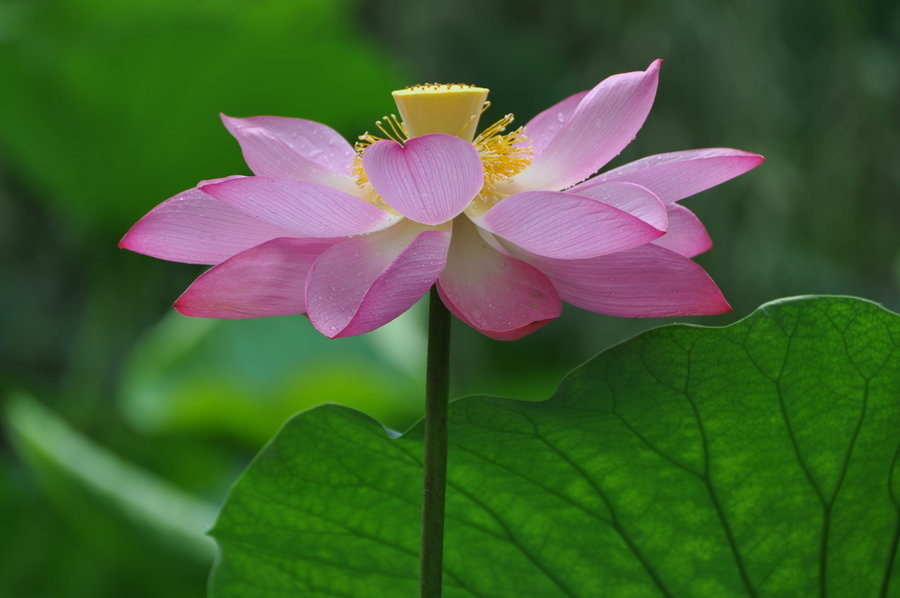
760	459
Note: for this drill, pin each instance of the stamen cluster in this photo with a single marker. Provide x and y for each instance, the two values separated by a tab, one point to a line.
502	156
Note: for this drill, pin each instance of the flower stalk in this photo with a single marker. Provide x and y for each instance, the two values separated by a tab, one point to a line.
452	109
437	383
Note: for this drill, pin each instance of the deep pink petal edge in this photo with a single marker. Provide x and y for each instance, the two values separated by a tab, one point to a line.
365	282
498	295
645	282
196	228
266	280
507	335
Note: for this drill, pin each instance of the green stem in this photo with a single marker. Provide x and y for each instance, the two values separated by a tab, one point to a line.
437	381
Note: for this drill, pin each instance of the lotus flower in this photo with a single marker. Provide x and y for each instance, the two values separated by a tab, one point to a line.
507	225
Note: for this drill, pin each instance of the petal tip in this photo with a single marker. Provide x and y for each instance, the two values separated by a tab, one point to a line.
717	306
331	332
750	161
519	333
183	306
186	304
230	121
209	186
190	308
131	240
726	307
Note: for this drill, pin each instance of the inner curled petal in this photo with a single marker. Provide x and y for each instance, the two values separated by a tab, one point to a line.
430	180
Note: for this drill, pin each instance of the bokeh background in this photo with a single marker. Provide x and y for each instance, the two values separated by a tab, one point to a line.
124	424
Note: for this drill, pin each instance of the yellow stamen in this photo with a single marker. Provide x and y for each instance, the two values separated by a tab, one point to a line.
503	155
394	131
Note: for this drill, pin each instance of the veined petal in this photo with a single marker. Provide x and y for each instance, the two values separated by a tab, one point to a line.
430	180
266	280
677	175
645	282
305	209
500	296
605	121
565	225
365	282
314	141
196	228
294	148
543	128
686	235
638	201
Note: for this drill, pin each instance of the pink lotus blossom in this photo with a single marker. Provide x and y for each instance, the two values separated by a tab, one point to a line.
506	225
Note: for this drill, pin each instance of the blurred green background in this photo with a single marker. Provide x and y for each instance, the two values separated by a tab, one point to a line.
124	423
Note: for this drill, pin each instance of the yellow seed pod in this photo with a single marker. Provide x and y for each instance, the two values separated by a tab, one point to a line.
450	108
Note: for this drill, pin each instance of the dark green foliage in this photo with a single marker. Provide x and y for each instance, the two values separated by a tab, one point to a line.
760	459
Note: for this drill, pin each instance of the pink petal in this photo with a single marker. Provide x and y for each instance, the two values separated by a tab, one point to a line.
498	295
543	128
686	235
564	225
305	209
677	175
511	335
644	282
314	141
294	148
605	121
638	201
365	282
196	228
430	180
266	280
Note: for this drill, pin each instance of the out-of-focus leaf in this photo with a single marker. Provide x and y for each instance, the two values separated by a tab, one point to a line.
110	107
244	378
759	459
106	498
